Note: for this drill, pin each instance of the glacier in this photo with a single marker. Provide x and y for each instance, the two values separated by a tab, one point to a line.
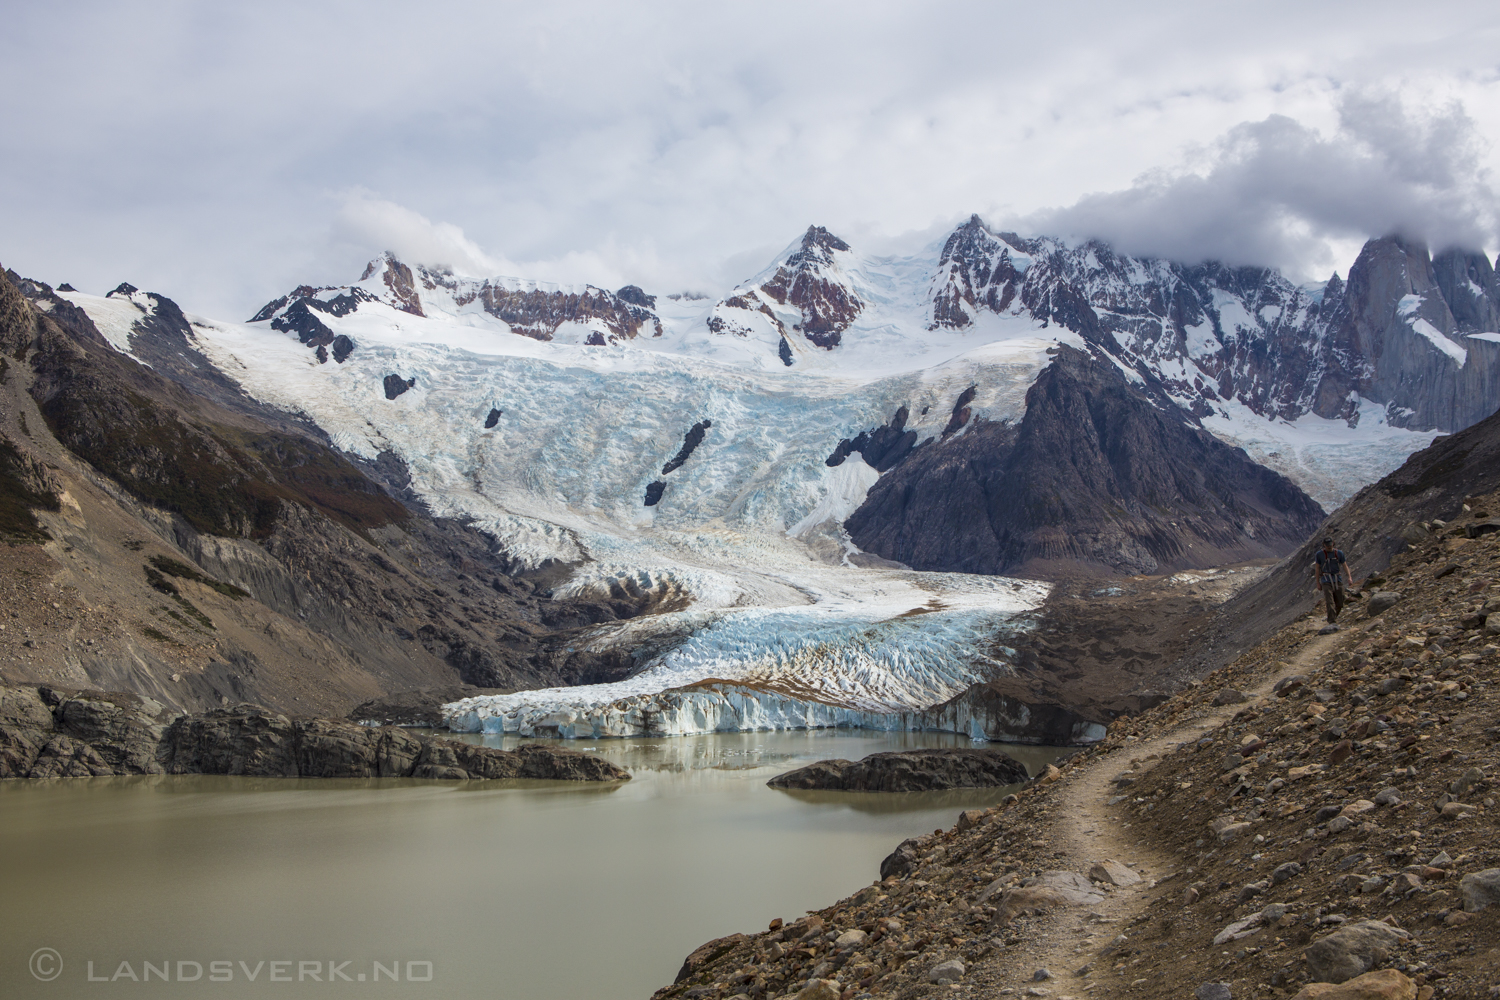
781	622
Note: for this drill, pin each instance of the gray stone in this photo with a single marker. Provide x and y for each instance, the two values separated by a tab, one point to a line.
1114	873
1213	991
1352	950
1382	601
819	989
1466	781
1041	976
947	972
850	939
1480	889
1074	887
1229	696
1388	797
1285	872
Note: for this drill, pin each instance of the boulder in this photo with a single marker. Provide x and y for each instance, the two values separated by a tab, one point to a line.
1480	889
819	989
851	938
1382	601
1229	696
1074	887
969	819
900	861
947	972
908	771
1352	950
1213	991
709	952
23	708
1386	984
1461	785
1114	873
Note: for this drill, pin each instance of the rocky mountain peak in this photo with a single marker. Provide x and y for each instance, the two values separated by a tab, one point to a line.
818	248
976	272
810	299
1396	336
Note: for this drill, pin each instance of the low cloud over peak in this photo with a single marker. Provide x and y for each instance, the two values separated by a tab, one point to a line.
1279	192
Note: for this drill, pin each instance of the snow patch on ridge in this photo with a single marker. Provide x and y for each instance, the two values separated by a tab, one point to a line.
114	316
1329	459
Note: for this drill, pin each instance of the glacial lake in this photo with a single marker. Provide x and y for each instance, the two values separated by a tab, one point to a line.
501	890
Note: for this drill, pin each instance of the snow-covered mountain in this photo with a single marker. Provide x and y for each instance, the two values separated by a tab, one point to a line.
705	456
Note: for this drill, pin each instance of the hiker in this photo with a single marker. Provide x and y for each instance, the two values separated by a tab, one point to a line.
1328	562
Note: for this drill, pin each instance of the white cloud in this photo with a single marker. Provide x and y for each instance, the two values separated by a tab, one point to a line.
1277	191
207	151
373	224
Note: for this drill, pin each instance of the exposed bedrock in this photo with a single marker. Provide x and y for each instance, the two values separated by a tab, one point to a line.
924	770
1399	303
985	711
49	733
1094	479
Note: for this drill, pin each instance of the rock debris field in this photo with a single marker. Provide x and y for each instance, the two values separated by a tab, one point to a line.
1317	819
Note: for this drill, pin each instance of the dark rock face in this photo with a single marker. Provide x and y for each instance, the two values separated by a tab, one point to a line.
493	419
535	311
980	275
785	353
1094	479
239	493
808	279
395	385
48	734
908	771
883	448
182	446
636	296
654	492
1377	347
690	442
990	711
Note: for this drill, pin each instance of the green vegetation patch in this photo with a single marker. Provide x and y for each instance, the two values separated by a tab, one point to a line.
162	585
181	570
151	633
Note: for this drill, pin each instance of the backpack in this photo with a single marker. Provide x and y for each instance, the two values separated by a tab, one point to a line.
1328	565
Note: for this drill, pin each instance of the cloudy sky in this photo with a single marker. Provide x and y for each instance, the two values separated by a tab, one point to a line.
222	153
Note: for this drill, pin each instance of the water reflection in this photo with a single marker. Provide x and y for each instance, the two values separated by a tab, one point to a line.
510	888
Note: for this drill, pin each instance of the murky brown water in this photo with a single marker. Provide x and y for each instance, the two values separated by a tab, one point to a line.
480	889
